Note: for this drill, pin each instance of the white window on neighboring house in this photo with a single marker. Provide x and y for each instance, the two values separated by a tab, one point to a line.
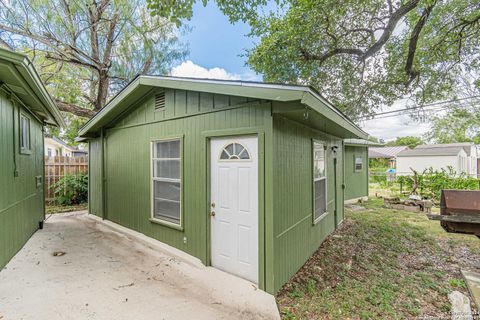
167	181
319	180
24	133
358	164
49	152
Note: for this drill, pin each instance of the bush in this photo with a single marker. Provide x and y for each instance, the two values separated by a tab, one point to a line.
431	182
71	189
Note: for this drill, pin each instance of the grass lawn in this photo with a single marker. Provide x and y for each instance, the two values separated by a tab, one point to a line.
59	209
381	264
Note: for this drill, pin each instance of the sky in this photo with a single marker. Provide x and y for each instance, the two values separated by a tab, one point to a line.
215	51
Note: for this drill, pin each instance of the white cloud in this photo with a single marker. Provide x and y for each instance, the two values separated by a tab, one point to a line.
192	70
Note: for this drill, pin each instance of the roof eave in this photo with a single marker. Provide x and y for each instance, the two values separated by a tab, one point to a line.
22	63
255	90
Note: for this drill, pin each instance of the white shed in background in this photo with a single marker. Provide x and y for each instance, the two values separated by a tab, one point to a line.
461	157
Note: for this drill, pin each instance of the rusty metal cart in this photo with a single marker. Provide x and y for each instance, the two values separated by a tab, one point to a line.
459	211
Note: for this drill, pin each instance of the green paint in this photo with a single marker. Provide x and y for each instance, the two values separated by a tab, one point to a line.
21	201
286	234
356	182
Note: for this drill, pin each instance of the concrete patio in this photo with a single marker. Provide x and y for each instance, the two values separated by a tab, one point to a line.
107	272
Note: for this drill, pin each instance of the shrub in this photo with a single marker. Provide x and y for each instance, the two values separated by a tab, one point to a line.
431	182
71	189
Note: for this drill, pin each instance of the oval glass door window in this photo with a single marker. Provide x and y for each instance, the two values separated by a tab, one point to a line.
234	151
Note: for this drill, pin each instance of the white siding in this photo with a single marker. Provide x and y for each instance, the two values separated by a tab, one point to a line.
421	163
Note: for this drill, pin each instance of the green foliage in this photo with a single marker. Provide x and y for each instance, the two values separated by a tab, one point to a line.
409	141
431	182
457	125
85	51
71	189
361	54
378	164
70	132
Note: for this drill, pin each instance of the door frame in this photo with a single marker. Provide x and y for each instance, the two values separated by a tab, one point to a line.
259	132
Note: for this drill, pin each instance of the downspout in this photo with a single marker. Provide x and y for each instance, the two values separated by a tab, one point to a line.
15	171
335	192
104	206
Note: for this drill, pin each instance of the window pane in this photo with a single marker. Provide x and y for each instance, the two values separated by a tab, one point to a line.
167	190
167	169
167	210
358	164
229	148
320	199
318	160
168	149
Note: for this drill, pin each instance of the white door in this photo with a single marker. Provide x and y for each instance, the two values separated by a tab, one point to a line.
234	205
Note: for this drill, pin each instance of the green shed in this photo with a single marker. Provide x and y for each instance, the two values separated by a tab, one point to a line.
356	169
245	176
25	107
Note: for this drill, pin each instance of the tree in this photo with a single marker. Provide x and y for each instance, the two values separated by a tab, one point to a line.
362	54
409	141
85	50
457	125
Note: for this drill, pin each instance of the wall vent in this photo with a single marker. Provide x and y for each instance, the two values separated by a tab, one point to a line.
160	100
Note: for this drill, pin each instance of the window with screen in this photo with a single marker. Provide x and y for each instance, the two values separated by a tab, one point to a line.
319	180
167	181
24	133
358	164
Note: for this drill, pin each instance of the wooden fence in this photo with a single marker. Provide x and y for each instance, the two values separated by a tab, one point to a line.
58	167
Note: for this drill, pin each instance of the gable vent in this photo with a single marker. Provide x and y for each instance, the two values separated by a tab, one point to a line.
160	100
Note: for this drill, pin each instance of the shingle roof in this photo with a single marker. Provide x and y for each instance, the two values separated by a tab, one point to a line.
465	145
385	152
435	150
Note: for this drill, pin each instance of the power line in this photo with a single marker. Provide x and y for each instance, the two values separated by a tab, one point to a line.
425	111
373	116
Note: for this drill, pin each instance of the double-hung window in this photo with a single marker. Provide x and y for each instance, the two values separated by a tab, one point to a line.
319	180
167	181
24	134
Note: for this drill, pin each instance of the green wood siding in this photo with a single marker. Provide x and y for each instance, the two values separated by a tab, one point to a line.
356	182
95	202
192	116
287	236
295	236
21	202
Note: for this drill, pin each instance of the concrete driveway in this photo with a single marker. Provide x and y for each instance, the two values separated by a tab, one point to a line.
109	273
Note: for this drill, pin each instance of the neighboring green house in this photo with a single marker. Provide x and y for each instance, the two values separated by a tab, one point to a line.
25	107
245	176
356	169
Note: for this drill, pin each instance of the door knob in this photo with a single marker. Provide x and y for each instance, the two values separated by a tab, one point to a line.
212	213
213	204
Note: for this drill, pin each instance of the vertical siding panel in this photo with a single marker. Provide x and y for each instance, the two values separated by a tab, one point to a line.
295	237
128	173
21	204
356	183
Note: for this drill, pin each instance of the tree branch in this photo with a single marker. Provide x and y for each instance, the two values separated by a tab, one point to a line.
375	47
74	109
412	46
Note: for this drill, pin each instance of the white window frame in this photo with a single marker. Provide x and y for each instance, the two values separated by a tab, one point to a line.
154	219
25	149
314	180
355	163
